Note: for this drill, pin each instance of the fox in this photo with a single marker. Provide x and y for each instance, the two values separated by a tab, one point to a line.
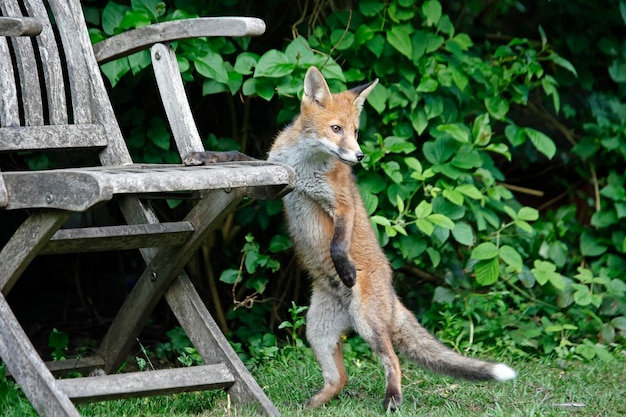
335	243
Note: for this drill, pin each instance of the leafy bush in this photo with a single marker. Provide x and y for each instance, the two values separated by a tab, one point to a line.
442	129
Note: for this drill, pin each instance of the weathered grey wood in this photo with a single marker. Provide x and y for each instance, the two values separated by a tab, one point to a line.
98	239
4	196
80	80
78	189
84	103
9	111
161	270
50	61
142	38
165	381
26	243
24	363
174	100
29	138
27	70
208	339
82	364
19	26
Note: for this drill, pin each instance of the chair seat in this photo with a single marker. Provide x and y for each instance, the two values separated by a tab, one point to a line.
78	189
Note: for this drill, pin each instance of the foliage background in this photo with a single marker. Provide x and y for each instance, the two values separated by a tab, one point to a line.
494	149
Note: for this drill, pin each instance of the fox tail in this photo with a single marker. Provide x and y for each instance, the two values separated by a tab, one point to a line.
415	342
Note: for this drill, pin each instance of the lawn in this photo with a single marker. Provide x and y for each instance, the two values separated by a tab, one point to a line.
543	388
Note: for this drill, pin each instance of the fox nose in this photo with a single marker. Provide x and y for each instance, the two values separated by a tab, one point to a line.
359	156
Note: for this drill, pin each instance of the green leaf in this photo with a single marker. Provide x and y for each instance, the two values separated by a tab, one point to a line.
487	271
481	130
342	39
115	70
545	272
603	219
230	276
443	295
245	63
383	221
463	233
528	214
273	64
470	191
423	209
425	226
155	8
589	246
522	224
378	98
620	323
134	19
497	107
427	85
159	134
392	169
432	10
563	63
453	196
434	255
484	251
279	243
582	296
441	221
399	38
542	142
371	7
457	131
376	45
511	257
112	15
211	65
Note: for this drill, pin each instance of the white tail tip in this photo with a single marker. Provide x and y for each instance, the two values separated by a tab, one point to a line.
501	372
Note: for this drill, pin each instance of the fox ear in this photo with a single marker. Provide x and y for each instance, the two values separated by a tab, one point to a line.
315	87
361	92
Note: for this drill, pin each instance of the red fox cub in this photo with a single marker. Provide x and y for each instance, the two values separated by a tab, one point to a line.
336	245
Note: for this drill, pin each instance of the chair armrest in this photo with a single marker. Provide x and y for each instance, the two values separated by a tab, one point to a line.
135	40
20	26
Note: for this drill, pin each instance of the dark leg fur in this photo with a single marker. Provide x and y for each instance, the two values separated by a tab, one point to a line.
212	157
339	253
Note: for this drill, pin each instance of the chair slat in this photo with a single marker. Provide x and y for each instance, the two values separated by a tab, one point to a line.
32	138
9	111
134	236
27	70
78	72
19	26
79	189
163	381
51	64
174	100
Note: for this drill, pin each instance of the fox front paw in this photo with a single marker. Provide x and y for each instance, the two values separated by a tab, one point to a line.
346	271
213	157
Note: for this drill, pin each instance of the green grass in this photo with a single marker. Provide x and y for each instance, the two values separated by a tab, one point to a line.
541	389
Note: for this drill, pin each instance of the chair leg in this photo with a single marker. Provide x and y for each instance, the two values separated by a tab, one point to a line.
26	243
161	271
208	339
29	370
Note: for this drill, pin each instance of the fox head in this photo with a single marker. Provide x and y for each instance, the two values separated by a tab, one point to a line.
331	121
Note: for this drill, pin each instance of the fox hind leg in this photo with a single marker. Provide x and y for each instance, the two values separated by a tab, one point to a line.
377	335
326	323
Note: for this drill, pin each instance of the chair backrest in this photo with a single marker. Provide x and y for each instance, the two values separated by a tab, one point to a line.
52	95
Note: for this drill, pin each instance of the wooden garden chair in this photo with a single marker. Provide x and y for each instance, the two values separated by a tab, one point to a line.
52	97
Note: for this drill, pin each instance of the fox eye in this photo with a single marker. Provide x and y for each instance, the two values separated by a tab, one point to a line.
336	129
